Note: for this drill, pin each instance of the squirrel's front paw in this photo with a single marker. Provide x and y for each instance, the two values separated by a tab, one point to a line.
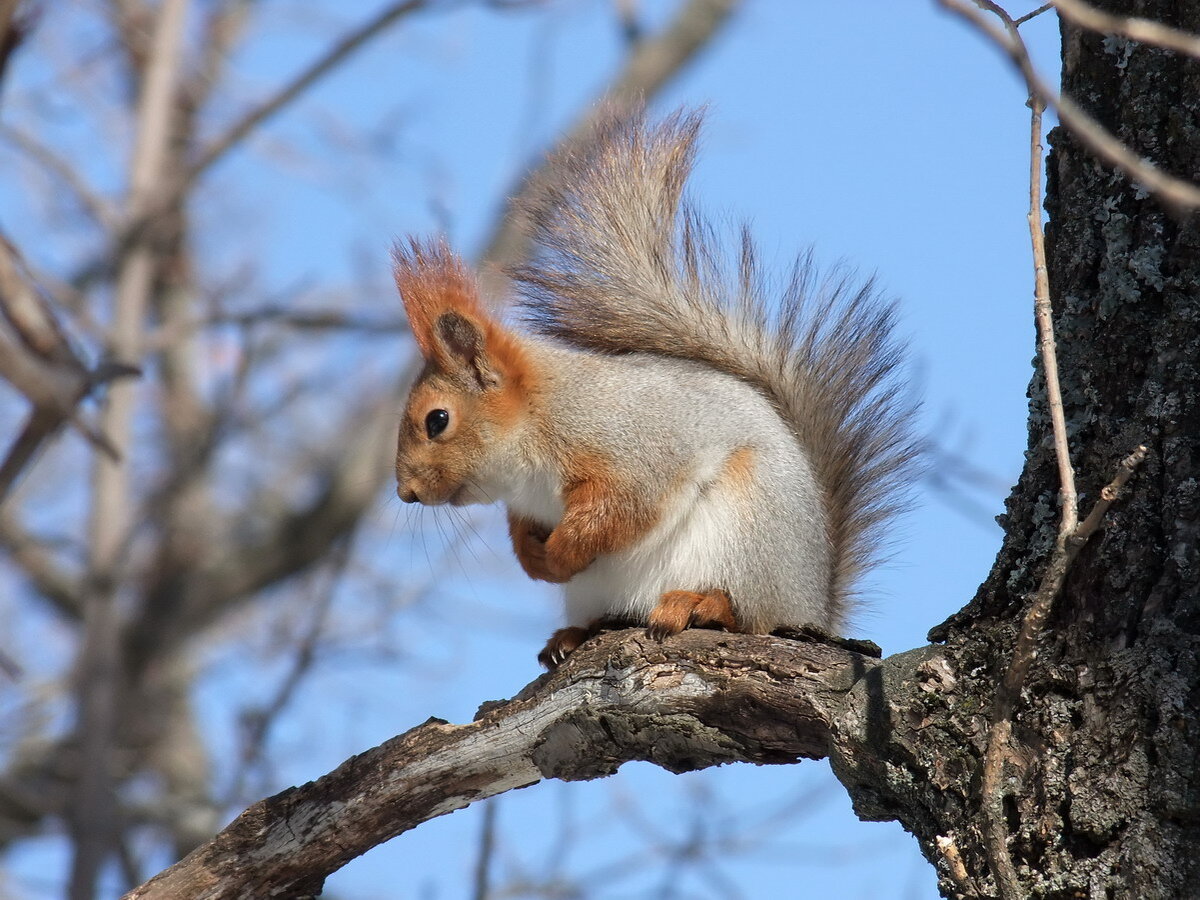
562	644
529	543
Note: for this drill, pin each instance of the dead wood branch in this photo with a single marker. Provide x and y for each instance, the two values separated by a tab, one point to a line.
700	699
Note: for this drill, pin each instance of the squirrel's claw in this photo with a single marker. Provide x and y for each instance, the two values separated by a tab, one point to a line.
562	644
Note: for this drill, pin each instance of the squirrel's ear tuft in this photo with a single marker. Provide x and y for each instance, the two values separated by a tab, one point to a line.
462	349
451	326
432	280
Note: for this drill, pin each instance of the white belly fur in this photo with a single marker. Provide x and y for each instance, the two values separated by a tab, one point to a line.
683	552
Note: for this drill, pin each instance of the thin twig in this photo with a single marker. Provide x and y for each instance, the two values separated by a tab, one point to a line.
13	31
1175	193
994	826
1021	20
170	194
1064	554
1047	346
1107	495
258	723
1008	692
1144	31
324	64
38	360
58	587
1071	535
97	207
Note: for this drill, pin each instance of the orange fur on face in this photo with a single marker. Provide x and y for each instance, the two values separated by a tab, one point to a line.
477	371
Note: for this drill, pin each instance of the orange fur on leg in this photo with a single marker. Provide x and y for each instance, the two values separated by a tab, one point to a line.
602	515
677	610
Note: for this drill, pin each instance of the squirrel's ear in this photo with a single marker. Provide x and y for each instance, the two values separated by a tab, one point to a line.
432	281
462	347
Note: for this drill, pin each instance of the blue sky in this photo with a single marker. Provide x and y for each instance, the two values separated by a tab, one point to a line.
884	135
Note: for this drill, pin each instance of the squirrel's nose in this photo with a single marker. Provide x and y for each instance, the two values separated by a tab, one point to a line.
407	494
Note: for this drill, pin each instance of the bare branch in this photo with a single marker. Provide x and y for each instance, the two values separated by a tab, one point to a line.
1173	192
93	810
289	316
168	195
8	10
37	359
700	699
1021	20
482	887
1008	692
1144	31
292	541
1108	494
98	208
339	51
955	865
257	723
131	26
61	589
13	30
1043	314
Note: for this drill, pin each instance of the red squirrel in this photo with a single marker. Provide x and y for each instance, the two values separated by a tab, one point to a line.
673	446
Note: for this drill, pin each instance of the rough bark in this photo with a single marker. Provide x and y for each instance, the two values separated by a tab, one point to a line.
697	700
1102	791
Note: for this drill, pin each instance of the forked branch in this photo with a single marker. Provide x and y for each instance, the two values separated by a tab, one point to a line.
1173	192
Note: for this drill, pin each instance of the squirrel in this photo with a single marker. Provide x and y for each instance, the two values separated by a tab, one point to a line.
671	446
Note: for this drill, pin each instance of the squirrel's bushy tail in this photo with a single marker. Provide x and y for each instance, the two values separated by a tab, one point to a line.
625	265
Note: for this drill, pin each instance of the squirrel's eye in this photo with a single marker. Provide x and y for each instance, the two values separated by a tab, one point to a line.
436	422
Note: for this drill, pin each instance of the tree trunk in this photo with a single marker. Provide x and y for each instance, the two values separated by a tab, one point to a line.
1102	781
1102	790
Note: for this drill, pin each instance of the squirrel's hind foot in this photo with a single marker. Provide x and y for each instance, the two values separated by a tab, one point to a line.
677	610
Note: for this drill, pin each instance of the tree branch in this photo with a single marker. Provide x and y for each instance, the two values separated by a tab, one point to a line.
329	60
1175	193
97	207
111	518
59	588
699	699
171	194
1144	31
37	359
